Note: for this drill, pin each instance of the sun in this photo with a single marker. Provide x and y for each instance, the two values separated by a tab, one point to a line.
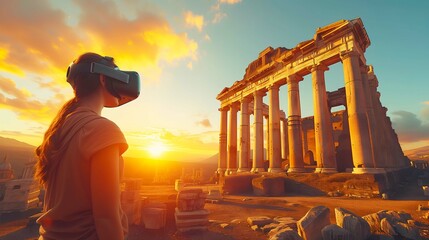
156	149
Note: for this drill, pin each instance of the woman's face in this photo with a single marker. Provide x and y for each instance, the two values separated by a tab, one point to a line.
108	99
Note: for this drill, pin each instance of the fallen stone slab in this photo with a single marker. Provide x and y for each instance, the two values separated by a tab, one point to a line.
311	225
387	228
260	221
353	223
335	232
286	234
406	231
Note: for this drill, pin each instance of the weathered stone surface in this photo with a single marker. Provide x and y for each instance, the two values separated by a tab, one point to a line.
238	184
374	219
260	221
311	225
353	223
191	199
267	228
386	227
406	231
286	234
280	227
268	186
335	232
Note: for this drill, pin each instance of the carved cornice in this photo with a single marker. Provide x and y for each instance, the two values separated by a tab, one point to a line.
329	45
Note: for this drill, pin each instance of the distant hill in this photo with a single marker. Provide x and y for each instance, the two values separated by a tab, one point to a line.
10	142
421	153
17	153
211	160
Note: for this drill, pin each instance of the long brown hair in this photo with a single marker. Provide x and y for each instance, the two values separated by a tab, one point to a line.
85	83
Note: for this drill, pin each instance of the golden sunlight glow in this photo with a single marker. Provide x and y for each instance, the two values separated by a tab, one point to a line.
156	149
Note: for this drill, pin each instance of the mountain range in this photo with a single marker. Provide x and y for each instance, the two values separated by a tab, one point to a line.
19	153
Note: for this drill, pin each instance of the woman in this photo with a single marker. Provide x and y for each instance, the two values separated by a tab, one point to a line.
79	160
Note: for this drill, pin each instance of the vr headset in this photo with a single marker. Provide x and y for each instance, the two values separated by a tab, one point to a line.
125	85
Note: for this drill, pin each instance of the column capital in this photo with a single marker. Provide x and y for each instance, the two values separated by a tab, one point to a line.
246	99
234	106
273	86
259	93
223	109
319	67
294	78
348	54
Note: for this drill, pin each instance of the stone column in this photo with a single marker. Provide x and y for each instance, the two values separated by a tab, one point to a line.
372	123
357	116
274	129
325	150
222	141
285	143
232	140
296	160
243	163
258	137
382	155
267	137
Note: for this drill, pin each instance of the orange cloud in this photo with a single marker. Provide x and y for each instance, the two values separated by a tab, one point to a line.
21	102
193	20
205	123
37	42
36	38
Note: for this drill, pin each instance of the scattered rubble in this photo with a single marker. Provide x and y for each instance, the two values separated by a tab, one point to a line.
385	225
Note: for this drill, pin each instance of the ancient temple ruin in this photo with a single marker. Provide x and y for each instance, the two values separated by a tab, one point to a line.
358	139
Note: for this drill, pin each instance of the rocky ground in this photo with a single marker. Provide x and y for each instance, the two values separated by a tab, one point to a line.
229	217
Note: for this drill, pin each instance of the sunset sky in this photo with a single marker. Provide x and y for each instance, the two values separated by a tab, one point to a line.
186	52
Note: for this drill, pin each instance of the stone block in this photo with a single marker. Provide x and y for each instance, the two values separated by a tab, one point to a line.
268	186
386	227
310	226
191	199
406	231
198	214
353	223
238	184
260	221
154	218
188	220
286	234
335	232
